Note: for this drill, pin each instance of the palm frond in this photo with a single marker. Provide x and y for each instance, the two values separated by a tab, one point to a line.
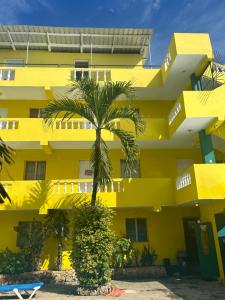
129	146
128	113
100	160
110	92
67	108
6	154
87	90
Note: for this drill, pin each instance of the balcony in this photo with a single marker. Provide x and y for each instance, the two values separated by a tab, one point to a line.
196	110
20	131
42	75
201	182
44	195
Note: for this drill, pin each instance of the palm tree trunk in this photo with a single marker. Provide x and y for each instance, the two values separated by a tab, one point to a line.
59	256
96	170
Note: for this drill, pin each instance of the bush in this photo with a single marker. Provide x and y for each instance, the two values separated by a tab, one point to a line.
123	253
14	262
148	256
92	245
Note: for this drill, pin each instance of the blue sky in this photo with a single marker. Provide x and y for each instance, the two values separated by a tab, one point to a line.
164	16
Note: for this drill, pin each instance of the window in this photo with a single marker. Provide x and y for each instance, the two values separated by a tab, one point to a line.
35	112
14	62
81	64
135	173
81	74
35	170
136	230
28	233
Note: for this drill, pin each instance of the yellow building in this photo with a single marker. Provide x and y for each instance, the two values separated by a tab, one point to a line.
175	199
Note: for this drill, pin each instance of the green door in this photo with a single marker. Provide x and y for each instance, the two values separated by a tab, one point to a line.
220	224
206	251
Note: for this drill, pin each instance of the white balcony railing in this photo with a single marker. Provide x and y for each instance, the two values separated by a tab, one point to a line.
97	75
76	124
68	187
183	181
174	112
7	74
9	124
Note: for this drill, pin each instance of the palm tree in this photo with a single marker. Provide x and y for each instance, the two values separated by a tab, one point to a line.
6	153
96	103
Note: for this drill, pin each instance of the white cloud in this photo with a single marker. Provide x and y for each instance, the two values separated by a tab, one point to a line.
151	6
12	9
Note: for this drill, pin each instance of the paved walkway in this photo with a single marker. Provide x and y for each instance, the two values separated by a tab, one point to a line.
182	289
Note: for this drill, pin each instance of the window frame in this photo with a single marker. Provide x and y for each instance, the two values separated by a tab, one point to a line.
39	112
36	168
14	65
137	239
81	60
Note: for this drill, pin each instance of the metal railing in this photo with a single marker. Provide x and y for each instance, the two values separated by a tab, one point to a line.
56	65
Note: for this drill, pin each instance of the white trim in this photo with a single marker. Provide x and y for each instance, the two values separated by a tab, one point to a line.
49	42
11	40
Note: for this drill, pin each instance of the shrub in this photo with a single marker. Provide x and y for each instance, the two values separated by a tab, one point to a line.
14	262
92	245
123	253
148	256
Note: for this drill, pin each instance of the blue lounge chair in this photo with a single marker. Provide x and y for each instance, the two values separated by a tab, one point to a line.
17	288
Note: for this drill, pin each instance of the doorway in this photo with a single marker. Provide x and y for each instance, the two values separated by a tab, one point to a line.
206	251
191	244
220	225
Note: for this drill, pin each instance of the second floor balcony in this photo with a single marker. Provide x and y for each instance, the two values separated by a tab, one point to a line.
44	195
199	184
33	131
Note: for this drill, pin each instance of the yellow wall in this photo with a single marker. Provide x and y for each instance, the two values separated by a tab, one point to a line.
64	164
45	57
151	109
161	234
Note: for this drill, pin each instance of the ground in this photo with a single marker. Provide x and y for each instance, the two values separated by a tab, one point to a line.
182	289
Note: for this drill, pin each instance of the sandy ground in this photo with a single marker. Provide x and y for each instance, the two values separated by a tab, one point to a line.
182	289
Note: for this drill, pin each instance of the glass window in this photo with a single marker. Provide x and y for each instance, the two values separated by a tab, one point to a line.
28	232
35	170
81	63
14	62
135	173
35	112
136	229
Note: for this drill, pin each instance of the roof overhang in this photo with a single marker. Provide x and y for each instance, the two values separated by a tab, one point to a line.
72	39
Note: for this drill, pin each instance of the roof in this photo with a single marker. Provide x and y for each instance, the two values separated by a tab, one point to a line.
74	39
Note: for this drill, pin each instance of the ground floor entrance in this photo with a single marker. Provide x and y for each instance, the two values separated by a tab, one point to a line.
220	224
